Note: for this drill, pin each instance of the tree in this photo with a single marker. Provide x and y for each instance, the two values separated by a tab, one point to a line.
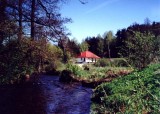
84	46
92	42
156	51
62	43
140	48
8	26
53	57
83	1
108	38
25	28
100	46
20	14
147	21
73	47
95	45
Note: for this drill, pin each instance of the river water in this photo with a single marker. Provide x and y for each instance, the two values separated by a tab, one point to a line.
45	96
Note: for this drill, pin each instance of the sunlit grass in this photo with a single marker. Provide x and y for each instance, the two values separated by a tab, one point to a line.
137	92
95	73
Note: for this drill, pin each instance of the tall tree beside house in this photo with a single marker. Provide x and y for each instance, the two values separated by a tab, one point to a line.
100	46
113	47
84	46
108	38
95	45
73	47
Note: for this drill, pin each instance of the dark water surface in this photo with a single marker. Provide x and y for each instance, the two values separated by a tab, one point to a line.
45	96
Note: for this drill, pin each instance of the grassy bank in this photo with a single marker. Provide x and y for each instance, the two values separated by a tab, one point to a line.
92	73
137	92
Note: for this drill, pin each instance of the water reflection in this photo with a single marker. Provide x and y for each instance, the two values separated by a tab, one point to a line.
46	96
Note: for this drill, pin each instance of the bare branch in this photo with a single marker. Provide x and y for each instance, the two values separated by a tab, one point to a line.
83	1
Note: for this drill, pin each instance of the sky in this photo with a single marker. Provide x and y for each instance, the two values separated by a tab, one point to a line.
99	16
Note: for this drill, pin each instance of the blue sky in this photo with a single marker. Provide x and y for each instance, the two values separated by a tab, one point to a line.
98	16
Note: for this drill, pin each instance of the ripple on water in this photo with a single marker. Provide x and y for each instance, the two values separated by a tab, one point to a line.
67	98
47	96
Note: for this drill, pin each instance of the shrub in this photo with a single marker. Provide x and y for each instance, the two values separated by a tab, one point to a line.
114	62
102	62
73	68
86	67
66	76
141	49
119	62
13	62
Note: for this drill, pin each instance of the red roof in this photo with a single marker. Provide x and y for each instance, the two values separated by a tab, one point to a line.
87	54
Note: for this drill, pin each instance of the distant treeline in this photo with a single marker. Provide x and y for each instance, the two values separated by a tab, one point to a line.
111	45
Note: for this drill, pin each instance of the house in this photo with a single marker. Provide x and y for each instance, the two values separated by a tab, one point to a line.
86	57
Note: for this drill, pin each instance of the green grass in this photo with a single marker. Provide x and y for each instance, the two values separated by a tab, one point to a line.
94	73
138	92
113	62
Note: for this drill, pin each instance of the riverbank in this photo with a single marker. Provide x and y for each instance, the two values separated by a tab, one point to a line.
137	92
92	77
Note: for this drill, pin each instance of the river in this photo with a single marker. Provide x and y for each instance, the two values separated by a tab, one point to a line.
45	96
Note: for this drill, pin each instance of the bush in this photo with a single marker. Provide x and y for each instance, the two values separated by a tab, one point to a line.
53	66
13	62
66	76
141	49
77	71
73	68
102	62
119	62
86	67
114	62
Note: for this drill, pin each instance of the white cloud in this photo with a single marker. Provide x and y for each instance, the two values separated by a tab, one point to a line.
102	5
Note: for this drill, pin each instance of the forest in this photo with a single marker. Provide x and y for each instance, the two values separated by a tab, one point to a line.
26	29
34	40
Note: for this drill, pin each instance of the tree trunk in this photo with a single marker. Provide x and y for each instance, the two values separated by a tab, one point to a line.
20	19
33	19
2	18
64	55
109	53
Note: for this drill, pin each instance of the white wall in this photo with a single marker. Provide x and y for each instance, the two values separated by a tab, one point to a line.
81	60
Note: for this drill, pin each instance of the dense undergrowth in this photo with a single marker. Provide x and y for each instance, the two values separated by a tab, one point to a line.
136	93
